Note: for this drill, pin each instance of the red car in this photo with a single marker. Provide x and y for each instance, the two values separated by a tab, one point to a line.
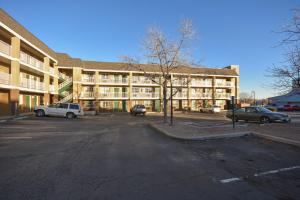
296	108
287	108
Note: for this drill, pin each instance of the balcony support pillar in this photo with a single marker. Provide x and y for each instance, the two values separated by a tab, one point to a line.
213	90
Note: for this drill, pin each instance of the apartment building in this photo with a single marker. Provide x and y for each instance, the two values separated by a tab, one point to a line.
111	86
28	70
31	74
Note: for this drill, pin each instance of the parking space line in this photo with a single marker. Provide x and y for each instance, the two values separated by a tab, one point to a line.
235	179
16	137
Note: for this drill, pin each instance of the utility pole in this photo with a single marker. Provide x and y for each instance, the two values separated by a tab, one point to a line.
254	101
233	110
171	121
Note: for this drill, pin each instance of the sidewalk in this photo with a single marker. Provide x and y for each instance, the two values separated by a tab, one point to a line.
285	133
16	117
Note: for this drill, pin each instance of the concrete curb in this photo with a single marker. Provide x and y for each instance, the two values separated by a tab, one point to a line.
18	117
276	139
228	135
199	138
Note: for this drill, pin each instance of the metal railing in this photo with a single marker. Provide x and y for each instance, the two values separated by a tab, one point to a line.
5	78
63	76
31	84
114	81
222	95
5	48
201	83
144	81
88	79
112	95
67	98
52	71
66	82
145	95
225	84
31	61
201	95
87	95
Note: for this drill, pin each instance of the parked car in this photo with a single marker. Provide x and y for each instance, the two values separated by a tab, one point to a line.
138	109
213	109
261	114
296	108
271	108
287	108
69	110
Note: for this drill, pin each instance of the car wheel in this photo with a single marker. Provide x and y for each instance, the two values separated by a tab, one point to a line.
70	115
264	120
40	113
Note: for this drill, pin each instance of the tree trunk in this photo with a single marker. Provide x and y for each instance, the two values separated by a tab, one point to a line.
165	102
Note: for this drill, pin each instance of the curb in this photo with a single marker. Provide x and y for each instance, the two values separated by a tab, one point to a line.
228	135
199	138
14	118
276	139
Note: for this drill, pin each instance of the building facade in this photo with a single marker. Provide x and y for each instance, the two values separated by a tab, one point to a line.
32	74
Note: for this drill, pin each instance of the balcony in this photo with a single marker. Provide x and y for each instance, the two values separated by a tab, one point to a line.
52	71
113	95
196	83
31	84
143	81
88	79
222	95
225	84
5	78
62	76
201	96
183	83
123	81
51	88
145	95
5	48
87	95
31	61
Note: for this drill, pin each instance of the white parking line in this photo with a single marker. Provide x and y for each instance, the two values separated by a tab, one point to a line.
15	137
234	179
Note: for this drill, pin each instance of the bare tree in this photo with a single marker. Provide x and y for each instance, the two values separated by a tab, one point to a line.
166	55
287	75
246	97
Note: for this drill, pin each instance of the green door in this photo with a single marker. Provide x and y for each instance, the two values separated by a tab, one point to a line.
157	105
27	102
124	105
116	105
35	100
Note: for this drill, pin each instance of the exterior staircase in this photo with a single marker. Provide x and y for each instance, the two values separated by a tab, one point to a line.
64	89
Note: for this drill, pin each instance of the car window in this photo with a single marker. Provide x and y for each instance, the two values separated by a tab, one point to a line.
74	106
240	110
250	110
53	106
63	105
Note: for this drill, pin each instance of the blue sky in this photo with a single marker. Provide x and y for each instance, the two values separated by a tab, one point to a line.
230	31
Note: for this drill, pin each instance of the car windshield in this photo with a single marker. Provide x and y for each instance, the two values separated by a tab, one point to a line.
261	109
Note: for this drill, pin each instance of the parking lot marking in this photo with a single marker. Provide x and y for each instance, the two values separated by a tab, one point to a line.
15	137
234	179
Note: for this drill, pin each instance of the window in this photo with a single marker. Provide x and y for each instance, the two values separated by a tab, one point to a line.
63	105
74	106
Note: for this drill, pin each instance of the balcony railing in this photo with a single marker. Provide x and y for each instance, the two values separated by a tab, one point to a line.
113	95
145	95
52	71
31	84
31	61
201	95
179	82
144	81
88	79
62	76
5	78
222	95
201	83
87	95
114	81
225	84
51	88
5	48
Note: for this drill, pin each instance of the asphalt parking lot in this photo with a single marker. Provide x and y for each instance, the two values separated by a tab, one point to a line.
120	157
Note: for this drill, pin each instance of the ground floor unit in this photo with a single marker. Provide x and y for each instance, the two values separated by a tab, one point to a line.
151	105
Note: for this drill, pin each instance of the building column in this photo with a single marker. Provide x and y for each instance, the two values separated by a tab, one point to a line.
96	91
76	84
15	75
213	90
46	81
189	94
55	83
130	92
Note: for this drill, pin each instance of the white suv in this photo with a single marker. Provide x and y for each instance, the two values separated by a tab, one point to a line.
69	110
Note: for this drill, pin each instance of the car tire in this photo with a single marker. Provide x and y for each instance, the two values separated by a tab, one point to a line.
70	115
264	119
40	113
